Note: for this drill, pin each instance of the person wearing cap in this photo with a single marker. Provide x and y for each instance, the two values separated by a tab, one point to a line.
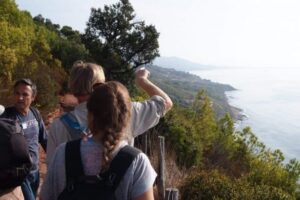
33	127
83	77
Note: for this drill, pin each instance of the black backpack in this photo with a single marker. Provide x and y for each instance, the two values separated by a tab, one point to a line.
15	161
101	186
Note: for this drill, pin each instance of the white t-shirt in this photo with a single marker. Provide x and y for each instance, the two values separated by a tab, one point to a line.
145	115
138	179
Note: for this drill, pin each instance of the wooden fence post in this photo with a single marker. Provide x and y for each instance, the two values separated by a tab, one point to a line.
171	194
161	173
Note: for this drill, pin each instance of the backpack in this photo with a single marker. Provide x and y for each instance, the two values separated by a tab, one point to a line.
72	125
15	161
101	186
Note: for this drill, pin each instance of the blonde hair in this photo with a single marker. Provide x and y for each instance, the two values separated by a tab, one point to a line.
110	108
83	76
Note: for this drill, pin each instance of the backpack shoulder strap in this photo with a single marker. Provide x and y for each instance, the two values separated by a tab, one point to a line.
71	123
73	163
36	114
121	163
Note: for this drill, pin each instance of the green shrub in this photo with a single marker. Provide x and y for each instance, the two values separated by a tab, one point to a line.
213	185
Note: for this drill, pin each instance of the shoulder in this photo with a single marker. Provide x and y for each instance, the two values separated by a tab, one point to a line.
142	162
10	112
58	120
35	111
10	109
57	126
138	179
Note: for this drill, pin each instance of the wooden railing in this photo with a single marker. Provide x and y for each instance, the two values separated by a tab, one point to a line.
164	193
145	145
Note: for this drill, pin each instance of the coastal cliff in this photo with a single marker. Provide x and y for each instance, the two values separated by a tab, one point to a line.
183	86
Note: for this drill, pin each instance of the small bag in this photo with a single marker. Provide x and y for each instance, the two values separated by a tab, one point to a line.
15	160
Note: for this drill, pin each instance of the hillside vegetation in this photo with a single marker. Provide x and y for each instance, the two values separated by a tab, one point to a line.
183	87
215	160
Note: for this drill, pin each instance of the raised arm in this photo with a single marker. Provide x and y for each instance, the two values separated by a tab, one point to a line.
141	80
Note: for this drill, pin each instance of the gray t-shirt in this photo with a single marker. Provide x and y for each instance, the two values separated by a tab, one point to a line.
138	179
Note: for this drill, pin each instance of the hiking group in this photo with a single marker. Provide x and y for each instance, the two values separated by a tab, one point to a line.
89	151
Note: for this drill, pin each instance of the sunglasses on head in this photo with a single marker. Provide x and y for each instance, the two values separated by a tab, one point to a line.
26	81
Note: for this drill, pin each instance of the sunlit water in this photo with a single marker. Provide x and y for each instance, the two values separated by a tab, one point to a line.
270	98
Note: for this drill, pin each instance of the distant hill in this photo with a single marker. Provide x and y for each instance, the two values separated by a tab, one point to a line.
183	86
179	64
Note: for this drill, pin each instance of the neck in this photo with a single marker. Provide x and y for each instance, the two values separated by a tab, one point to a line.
82	98
97	138
23	111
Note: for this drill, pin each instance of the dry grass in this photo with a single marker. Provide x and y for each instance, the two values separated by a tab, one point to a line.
174	176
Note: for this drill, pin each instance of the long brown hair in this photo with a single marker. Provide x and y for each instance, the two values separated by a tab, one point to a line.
110	108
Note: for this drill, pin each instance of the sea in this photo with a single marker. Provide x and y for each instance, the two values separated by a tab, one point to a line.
270	101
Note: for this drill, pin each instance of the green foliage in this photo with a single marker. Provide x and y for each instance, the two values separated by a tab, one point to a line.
65	43
255	172
204	119
191	131
183	137
15	37
213	185
266	167
206	186
38	49
68	52
25	52
119	42
68	48
226	153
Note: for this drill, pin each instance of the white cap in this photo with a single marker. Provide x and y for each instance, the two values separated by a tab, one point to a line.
2	109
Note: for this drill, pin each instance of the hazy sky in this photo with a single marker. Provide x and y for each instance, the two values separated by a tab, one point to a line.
218	32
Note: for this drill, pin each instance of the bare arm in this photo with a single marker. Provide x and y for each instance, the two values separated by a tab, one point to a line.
141	80
148	195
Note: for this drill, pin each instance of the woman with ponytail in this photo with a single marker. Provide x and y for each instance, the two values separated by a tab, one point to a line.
109	112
